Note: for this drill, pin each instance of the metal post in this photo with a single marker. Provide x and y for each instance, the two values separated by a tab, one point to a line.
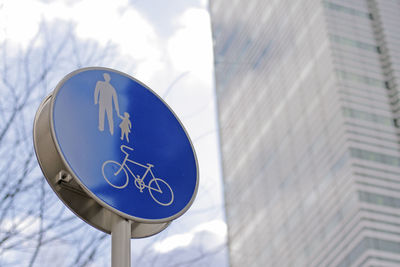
120	242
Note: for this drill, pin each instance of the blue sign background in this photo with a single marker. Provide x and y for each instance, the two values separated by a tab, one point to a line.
156	137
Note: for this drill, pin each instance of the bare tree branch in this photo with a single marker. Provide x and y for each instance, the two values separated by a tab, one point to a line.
31	217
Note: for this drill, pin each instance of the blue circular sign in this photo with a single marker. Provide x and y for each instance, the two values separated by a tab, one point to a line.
124	145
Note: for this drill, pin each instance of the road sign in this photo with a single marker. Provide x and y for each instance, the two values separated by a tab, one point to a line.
121	144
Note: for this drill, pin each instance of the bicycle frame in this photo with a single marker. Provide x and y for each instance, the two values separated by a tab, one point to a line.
137	177
164	200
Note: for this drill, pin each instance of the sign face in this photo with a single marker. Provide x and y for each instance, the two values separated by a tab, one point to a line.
124	145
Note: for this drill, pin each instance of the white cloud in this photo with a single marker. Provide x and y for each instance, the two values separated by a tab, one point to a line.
173	242
118	22
27	224
216	227
19	20
190	51
157	62
103	21
190	47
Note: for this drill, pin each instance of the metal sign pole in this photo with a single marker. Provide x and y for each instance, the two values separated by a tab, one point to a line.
120	242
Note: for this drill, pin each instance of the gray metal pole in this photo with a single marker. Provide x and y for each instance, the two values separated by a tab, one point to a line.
120	242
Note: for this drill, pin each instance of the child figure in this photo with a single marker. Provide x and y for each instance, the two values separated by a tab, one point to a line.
125	126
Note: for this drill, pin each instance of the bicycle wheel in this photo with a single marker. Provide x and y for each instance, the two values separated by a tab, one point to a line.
164	196
110	169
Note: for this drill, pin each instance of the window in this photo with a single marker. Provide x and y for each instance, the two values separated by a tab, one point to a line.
374	156
347	10
370	243
344	75
354	43
366	116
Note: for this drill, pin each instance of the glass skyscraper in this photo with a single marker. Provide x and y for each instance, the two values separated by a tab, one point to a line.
308	102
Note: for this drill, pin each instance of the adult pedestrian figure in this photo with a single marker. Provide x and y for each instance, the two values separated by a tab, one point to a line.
105	95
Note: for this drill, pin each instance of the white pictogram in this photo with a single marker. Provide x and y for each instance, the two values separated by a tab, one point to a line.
159	190
125	126
105	95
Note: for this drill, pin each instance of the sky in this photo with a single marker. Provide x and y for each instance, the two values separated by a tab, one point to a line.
167	45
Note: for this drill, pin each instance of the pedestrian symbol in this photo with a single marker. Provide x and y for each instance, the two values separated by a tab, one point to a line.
125	126
105	95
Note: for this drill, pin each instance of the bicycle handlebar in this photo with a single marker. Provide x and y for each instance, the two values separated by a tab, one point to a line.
127	147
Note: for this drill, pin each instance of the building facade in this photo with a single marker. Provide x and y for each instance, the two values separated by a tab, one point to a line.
309	114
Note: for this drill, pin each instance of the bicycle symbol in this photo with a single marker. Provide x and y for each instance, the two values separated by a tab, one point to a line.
159	190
